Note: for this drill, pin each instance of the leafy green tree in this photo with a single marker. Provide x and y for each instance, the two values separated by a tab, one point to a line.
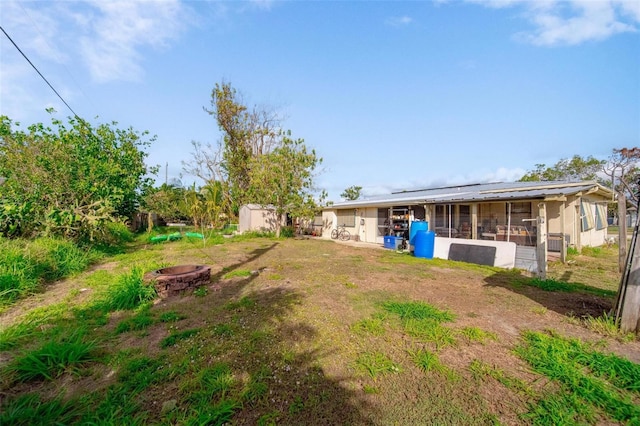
167	201
284	180
69	180
351	193
574	169
245	134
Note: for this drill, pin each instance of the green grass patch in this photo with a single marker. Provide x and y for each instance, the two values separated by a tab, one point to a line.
243	303
587	377
562	286
141	320
174	338
171	316
418	310
429	330
475	334
376	364
427	361
237	273
223	329
53	358
480	371
373	326
607	326
31	409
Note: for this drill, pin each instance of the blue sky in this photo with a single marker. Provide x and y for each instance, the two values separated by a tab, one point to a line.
393	95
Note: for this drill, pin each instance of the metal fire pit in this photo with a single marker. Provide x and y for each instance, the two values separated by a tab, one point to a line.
179	279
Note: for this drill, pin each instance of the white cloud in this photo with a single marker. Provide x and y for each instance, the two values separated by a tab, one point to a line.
121	29
398	21
572	22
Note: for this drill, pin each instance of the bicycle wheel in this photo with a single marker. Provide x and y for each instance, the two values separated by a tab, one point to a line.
345	235
334	234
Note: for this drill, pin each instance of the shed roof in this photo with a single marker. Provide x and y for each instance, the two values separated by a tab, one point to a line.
258	206
500	191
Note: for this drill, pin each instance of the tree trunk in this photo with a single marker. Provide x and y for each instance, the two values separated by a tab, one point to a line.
622	231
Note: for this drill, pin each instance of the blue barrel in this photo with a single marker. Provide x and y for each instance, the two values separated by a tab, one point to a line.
424	242
417	225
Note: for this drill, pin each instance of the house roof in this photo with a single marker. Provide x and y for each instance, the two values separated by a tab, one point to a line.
501	191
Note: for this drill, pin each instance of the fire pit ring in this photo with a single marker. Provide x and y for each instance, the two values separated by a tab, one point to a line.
176	280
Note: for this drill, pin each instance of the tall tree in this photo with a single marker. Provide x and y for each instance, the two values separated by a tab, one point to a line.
284	180
574	169
351	193
69	180
245	134
623	172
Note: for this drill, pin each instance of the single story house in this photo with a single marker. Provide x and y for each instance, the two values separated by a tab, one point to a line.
518	212
255	217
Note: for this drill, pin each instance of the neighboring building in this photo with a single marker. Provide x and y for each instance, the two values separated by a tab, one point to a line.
254	217
575	212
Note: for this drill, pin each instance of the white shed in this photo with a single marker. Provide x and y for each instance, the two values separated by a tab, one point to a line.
255	217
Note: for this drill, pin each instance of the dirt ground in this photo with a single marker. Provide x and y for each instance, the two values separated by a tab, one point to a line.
310	292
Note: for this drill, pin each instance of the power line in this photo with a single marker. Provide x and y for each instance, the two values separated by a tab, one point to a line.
39	73
55	53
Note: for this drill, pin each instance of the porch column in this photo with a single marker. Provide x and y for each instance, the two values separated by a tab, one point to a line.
541	248
474	221
563	246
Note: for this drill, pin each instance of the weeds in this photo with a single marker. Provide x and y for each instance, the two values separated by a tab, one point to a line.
373	326
174	338
238	273
141	320
53	358
475	334
171	316
607	326
375	364
243	303
129	291
562	286
24	265
426	361
564	361
418	310
30	409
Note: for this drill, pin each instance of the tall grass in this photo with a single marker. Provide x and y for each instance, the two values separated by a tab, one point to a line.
30	409
129	291
53	358
24	265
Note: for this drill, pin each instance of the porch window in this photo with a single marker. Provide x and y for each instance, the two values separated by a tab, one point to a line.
347	217
601	216
586	216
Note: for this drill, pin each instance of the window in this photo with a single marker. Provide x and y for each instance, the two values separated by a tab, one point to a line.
347	217
601	216
586	215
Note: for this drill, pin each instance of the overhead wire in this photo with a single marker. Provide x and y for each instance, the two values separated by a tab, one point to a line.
54	51
39	73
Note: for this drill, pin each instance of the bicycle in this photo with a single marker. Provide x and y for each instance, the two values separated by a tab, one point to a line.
340	233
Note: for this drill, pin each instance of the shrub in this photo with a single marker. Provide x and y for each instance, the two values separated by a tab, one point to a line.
287	232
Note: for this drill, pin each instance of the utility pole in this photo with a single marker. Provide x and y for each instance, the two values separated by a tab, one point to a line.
627	308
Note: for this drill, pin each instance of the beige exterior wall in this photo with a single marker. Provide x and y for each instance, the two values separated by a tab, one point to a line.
329	220
257	219
561	217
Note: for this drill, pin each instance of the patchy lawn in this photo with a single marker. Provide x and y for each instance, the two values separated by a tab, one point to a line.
308	331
